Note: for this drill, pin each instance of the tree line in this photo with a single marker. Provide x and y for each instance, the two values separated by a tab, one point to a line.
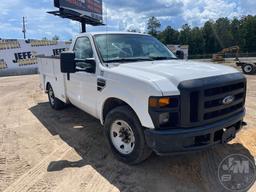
212	37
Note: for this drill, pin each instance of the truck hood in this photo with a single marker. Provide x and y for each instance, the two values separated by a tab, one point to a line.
170	73
177	70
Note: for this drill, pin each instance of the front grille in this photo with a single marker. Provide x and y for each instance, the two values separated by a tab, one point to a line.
224	89
213	100
194	105
224	111
202	99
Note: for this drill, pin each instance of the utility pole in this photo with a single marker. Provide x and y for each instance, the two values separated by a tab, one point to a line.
24	27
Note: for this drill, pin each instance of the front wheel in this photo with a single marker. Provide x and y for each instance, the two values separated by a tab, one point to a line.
125	135
248	69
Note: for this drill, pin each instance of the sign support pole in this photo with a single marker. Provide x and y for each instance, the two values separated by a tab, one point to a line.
83	24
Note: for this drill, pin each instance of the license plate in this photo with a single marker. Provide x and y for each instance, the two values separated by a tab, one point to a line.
228	134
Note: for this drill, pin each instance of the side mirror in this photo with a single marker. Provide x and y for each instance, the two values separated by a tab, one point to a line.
180	54
88	65
67	62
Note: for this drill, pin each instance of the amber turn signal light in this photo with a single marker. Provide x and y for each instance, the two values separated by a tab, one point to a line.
163	102
159	102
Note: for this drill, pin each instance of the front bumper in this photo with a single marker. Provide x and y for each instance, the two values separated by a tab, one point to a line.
181	140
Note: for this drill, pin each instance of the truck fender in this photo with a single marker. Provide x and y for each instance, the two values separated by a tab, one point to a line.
131	101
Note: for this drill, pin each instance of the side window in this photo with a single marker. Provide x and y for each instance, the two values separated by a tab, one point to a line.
83	48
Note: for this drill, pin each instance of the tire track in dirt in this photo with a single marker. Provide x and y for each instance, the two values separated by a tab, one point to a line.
11	165
38	171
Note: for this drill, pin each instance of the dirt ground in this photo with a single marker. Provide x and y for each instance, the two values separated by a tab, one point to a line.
45	150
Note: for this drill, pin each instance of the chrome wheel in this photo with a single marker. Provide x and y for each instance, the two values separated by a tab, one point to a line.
122	137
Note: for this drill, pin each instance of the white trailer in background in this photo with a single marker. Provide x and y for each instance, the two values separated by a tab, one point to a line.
19	56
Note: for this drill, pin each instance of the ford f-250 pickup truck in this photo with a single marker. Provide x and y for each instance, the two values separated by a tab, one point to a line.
146	99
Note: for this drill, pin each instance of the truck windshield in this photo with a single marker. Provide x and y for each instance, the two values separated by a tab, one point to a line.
131	47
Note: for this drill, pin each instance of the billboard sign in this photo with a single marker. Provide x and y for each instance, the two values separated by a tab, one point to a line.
19	56
87	8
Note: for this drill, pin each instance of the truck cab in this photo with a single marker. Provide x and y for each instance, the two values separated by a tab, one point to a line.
146	99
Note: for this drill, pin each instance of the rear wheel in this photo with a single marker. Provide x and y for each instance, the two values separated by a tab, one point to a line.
125	135
248	69
54	102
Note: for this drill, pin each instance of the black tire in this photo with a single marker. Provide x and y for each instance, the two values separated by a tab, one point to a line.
140	151
55	103
249	69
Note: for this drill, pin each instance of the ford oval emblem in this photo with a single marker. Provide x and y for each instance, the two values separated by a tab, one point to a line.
228	100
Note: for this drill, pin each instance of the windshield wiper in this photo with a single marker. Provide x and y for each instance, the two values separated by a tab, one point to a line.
123	60
163	58
130	60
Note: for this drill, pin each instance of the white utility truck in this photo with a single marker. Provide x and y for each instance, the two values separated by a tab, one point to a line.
146	99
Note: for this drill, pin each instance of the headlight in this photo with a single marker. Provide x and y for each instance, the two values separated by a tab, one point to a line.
164	111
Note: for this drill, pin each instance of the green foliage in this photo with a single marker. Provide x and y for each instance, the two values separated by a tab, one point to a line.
185	34
153	25
223	33
169	36
212	37
248	34
209	37
196	41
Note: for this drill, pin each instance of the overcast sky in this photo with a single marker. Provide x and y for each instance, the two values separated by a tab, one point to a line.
118	15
